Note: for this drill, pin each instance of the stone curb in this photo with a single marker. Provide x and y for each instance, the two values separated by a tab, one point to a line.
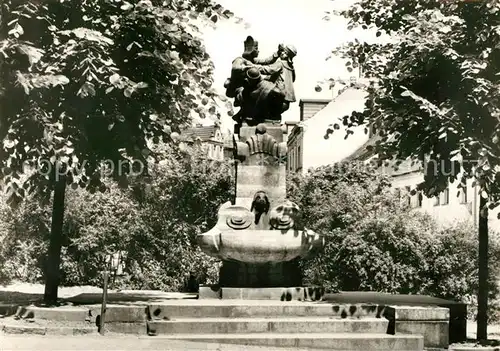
35	330
471	348
468	348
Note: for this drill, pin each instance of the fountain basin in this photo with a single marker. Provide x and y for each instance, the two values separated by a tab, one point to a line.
260	246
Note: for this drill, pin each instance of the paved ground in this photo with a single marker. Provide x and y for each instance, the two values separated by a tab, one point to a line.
38	289
493	331
114	343
23	293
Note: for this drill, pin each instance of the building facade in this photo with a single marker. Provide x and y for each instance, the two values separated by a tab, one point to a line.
308	147
210	138
308	144
454	204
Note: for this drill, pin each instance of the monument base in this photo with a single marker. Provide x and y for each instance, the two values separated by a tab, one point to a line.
265	275
313	293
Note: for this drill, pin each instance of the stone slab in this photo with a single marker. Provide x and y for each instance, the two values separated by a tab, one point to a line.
275	274
215	308
60	314
276	131
457	310
265	325
276	193
432	322
345	342
419	313
8	309
37	330
209	292
435	333
125	314
278	294
472	348
126	328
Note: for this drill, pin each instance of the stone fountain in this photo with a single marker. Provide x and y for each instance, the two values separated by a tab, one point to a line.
260	237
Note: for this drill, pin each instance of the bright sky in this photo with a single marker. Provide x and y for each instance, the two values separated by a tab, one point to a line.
296	22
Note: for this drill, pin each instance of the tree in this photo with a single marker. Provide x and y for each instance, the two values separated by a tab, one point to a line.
434	96
152	225
182	200
85	85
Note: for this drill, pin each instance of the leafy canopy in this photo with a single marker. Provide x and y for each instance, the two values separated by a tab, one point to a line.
97	80
153	227
434	93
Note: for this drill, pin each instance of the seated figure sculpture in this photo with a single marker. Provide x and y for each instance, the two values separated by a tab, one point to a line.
262	88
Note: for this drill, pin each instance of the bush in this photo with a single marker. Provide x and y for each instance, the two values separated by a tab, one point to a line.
374	243
23	235
153	226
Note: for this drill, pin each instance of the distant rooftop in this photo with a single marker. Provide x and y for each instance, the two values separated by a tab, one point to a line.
319	101
204	133
364	152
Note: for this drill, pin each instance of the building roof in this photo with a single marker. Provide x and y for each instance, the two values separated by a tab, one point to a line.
203	133
320	101
321	149
348	100
365	151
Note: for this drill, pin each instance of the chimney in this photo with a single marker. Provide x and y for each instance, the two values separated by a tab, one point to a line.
309	107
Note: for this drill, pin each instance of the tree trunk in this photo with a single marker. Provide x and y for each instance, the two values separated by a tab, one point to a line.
52	274
482	298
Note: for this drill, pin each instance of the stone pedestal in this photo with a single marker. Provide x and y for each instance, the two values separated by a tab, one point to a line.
311	293
264	275
430	322
260	237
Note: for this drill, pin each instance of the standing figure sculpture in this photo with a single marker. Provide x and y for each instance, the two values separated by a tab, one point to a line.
241	64
262	88
282	73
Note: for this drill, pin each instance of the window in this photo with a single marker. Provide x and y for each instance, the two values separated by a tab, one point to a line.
299	162
436	200
446	197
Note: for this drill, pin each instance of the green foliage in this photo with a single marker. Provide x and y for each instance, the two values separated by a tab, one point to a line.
153	226
434	96
23	235
375	243
95	80
181	201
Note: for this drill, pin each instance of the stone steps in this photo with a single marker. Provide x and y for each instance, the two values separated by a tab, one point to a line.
267	325
327	341
313	325
260	308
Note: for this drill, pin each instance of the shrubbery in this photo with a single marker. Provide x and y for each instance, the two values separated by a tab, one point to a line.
376	244
153	225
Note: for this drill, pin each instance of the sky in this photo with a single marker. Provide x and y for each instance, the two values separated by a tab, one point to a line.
272	22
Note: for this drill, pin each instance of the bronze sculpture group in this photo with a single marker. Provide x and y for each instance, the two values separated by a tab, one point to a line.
262	88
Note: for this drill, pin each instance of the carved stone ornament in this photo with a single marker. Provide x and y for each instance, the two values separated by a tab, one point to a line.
285	216
261	143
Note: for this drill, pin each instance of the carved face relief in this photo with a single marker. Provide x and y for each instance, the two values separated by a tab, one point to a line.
284	216
260	205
